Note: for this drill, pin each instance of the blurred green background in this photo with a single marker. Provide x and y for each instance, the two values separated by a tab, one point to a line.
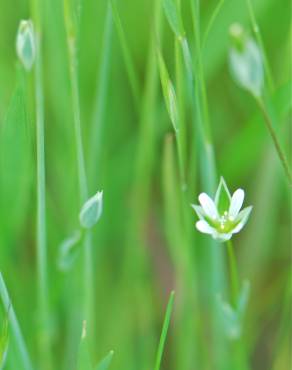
140	254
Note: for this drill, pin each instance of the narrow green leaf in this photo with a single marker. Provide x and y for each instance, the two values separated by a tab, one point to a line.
164	331
168	92
105	363
4	339
83	361
132	75
17	335
173	14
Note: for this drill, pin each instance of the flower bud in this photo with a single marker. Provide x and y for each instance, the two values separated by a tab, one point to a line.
25	44
91	211
245	61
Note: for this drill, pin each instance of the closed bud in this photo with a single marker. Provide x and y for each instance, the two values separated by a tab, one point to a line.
91	211
25	44
245	61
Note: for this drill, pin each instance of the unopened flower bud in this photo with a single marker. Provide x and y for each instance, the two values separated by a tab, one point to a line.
25	44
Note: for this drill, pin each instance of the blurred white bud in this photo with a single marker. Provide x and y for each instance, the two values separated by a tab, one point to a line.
245	61
91	211
25	44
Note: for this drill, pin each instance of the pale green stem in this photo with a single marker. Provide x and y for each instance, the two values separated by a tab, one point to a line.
276	142
25	359
42	270
234	278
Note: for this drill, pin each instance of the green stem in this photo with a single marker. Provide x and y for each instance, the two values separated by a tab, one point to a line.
234	277
43	291
25	359
164	332
276	142
100	101
132	75
211	21
82	178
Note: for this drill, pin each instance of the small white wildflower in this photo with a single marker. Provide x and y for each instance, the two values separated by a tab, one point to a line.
25	44
221	218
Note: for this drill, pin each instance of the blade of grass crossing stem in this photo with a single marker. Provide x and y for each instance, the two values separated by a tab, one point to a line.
82	178
134	82
43	290
99	109
164	332
25	359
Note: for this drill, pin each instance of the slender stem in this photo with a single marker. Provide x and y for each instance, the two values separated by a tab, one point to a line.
164	332
100	100
42	269
132	75
259	39
82	178
211	21
25	359
234	278
276	142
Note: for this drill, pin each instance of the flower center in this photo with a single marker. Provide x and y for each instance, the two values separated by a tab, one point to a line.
225	223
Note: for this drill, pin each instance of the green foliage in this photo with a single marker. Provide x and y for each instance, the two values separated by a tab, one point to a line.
93	115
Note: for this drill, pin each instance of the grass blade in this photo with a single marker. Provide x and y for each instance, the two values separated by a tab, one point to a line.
164	331
26	362
134	82
105	363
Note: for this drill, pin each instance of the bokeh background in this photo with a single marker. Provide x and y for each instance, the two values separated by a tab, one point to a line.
140	251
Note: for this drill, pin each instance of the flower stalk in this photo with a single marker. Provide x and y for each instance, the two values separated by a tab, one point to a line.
233	273
276	142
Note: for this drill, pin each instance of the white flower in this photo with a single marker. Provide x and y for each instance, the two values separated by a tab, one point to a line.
221	218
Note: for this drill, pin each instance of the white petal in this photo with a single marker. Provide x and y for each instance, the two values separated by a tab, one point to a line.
221	237
236	203
199	211
208	206
242	218
204	227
